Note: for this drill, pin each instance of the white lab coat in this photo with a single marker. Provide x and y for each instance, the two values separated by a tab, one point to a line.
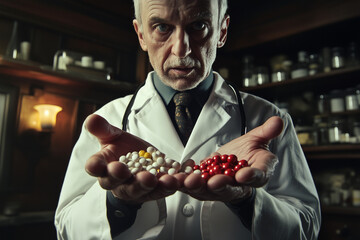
286	208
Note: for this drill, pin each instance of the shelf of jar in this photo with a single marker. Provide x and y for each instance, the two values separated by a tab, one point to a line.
333	151
319	84
34	71
341	210
339	114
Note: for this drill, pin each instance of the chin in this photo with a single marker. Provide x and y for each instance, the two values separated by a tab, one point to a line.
184	84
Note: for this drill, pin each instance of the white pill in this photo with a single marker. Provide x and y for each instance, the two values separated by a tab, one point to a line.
135	157
149	161
155	165
197	171
160	161
149	167
176	165
153	171
171	171
188	169
150	149
123	159
164	169
135	170
142	160
128	155
169	162
130	164
137	165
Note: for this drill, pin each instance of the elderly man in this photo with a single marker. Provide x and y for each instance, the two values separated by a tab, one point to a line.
273	198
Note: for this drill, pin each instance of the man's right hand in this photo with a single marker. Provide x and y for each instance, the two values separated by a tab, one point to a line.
114	175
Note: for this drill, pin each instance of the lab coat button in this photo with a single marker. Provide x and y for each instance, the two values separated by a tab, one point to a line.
188	210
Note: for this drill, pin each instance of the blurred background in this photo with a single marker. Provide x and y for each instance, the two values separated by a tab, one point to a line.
61	60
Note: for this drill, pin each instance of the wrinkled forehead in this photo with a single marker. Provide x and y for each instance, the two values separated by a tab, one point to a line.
174	10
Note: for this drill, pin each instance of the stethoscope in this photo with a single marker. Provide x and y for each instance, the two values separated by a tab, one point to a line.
238	97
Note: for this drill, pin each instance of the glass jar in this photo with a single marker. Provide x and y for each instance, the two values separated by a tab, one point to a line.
353	58
247	71
314	65
337	58
323	104
351	101
261	75
337	101
300	69
335	130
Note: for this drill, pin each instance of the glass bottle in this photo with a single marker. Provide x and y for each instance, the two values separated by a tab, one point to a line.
353	58
314	65
12	49
356	192
335	131
248	79
301	68
337	58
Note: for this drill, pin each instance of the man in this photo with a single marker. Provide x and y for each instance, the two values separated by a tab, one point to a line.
274	198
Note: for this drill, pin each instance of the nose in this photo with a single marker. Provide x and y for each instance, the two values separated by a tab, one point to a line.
181	44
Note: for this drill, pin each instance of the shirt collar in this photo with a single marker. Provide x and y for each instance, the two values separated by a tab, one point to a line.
201	92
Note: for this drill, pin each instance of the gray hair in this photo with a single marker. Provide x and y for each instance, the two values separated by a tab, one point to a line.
223	6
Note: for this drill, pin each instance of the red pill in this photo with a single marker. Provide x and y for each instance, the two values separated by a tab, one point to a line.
232	159
205	176
196	167
224	158
217	158
243	163
230	172
217	169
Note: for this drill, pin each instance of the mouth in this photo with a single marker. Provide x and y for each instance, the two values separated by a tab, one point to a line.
181	71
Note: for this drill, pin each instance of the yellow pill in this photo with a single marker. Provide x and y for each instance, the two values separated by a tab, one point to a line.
147	155
141	153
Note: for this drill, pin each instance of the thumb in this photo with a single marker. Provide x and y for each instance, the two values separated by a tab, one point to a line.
269	130
101	128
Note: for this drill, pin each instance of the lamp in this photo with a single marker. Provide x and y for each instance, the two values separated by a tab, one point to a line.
47	114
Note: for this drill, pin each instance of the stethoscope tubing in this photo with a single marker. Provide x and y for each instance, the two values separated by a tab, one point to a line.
238	97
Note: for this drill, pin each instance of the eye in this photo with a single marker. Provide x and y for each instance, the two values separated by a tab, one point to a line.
198	26
163	28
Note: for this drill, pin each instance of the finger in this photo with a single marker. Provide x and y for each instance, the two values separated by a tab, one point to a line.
96	166
218	182
187	163
194	182
137	187
106	133
101	128
269	130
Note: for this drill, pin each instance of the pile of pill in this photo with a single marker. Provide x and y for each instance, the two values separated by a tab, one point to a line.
220	164
151	160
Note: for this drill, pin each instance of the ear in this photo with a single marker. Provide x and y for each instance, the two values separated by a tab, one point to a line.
140	35
223	31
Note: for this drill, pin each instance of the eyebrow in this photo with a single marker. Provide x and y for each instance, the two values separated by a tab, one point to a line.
197	16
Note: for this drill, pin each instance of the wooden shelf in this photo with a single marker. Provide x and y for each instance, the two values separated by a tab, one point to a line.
40	75
319	83
340	151
337	210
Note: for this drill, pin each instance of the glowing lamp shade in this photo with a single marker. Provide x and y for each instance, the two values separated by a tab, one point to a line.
47	114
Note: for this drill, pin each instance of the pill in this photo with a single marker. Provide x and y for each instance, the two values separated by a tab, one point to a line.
171	171
160	161
188	169
153	171
150	149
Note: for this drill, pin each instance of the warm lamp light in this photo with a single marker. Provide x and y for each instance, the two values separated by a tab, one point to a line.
47	114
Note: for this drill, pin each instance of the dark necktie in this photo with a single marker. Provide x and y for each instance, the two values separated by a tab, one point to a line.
183	119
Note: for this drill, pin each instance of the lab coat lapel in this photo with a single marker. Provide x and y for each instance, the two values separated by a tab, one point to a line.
154	122
213	116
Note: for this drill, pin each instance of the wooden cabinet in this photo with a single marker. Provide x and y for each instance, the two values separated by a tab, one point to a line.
287	28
